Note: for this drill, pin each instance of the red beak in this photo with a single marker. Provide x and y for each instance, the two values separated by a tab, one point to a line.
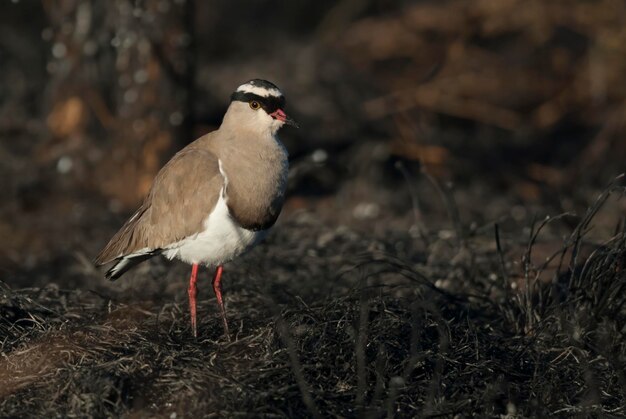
282	116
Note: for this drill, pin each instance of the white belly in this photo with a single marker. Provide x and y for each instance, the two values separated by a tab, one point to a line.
221	241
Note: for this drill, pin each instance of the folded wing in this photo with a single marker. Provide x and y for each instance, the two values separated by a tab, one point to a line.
183	194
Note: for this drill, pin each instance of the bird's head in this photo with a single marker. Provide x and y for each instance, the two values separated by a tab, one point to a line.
259	105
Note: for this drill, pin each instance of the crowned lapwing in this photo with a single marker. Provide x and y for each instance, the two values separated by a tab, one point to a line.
216	198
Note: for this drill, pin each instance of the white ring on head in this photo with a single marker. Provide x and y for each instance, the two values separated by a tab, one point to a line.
258	90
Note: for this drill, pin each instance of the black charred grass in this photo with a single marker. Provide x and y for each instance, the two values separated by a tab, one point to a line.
341	327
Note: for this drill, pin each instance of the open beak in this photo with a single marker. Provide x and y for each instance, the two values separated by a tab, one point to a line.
282	116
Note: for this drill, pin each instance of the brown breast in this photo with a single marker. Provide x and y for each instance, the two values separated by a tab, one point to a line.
256	173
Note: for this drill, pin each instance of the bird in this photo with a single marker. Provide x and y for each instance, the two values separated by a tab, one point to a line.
216	198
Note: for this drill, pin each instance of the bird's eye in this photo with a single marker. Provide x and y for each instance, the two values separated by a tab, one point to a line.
255	105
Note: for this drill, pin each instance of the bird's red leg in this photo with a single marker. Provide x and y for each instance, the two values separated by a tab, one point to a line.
193	291
217	288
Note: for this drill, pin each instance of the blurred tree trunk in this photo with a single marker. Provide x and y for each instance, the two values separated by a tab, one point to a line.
122	75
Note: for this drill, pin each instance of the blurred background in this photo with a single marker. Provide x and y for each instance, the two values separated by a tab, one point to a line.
499	109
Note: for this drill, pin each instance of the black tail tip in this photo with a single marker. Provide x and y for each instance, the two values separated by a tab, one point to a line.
111	275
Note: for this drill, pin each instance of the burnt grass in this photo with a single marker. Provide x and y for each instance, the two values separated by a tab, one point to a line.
328	322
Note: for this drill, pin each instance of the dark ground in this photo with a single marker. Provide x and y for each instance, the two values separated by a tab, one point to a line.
453	242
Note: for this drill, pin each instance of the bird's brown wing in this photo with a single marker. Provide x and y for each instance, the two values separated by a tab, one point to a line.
183	194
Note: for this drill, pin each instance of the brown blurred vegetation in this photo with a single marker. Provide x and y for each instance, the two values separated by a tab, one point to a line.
120	88
547	77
